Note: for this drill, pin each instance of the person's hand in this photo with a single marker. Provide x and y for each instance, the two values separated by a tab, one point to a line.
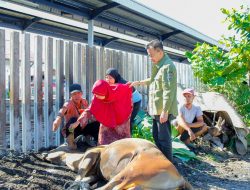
163	117
83	119
191	134
135	83
129	83
73	126
83	115
56	124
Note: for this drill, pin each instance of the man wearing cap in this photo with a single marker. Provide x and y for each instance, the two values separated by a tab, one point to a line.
162	103
70	111
189	122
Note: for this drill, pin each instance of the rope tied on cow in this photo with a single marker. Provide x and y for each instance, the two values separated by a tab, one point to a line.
76	185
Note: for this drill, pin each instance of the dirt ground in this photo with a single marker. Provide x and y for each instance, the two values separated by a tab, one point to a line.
212	170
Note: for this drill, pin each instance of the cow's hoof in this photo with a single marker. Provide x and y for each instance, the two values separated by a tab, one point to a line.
76	185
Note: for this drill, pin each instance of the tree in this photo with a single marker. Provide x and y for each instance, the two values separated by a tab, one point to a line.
228	70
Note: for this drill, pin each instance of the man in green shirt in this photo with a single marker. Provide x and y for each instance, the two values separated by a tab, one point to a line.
162	95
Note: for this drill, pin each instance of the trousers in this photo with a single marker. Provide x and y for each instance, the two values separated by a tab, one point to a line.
162	136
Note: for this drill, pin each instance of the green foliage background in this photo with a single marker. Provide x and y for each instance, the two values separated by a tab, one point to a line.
227	70
142	127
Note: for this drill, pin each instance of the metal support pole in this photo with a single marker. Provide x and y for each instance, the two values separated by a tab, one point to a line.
91	33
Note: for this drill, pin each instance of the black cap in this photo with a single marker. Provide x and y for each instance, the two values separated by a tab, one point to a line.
75	88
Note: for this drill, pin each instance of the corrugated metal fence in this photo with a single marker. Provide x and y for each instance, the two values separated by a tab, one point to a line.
38	88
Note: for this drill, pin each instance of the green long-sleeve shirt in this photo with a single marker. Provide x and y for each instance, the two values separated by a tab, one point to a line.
163	87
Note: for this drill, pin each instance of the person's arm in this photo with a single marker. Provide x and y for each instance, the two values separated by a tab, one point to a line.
169	84
182	123
59	117
140	82
82	120
199	123
199	117
145	81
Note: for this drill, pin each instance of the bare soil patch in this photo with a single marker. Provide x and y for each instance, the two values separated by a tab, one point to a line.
212	170
216	169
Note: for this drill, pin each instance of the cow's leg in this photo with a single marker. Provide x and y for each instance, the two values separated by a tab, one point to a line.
126	186
87	164
89	179
117	185
73	160
119	182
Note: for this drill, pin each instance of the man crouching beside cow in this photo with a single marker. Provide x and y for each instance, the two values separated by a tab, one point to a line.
125	163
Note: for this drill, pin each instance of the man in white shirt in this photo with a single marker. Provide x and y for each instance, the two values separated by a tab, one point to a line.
189	121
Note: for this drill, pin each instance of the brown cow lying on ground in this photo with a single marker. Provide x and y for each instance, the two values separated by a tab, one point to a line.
126	164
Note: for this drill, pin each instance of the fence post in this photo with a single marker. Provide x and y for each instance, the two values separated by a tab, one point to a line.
114	58
125	66
2	91
77	64
120	63
59	83
15	135
99	67
94	63
89	72
84	72
68	67
38	94
48	93
108	58
146	75
26	102
131	67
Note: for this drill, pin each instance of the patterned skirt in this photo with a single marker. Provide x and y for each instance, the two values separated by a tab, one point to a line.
108	135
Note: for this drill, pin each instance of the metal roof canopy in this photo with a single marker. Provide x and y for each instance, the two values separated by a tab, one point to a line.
121	24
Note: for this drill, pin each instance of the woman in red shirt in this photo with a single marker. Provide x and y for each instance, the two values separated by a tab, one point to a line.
112	107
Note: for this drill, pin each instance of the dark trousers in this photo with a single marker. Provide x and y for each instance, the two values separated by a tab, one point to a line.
136	108
162	136
91	129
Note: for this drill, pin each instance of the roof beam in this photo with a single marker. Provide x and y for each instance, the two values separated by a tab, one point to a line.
99	10
167	35
8	18
73	23
42	14
28	23
106	42
126	23
82	12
